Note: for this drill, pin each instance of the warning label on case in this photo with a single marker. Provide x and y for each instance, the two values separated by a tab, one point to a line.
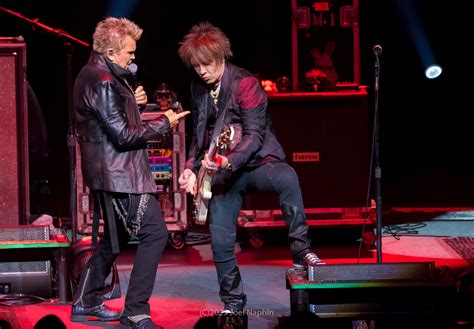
306	157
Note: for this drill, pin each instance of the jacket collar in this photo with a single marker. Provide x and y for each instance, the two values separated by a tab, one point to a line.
226	84
104	63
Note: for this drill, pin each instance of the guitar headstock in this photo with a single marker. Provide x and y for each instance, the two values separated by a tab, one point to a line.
225	138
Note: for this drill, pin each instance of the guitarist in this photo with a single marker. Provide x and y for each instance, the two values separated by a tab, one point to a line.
226	94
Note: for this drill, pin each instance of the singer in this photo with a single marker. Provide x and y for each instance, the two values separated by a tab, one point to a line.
116	168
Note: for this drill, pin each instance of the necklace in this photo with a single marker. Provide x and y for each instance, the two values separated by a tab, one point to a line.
214	92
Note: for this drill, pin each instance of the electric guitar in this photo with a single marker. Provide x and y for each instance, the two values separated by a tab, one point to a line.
203	187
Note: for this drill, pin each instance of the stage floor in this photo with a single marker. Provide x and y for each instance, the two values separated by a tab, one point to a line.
186	284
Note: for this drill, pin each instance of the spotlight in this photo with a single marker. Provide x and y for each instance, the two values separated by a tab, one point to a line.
433	71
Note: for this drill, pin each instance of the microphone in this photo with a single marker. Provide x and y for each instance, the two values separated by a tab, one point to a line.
133	68
377	49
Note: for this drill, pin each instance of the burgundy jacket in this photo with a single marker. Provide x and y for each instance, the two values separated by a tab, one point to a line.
244	103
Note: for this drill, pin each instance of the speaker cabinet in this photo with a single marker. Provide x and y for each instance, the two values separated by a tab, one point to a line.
25	268
325	136
368	291
14	177
31	278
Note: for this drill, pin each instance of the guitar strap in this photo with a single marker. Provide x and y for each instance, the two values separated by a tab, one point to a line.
218	126
221	110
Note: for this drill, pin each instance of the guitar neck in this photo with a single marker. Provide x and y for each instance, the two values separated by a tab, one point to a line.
212	152
220	143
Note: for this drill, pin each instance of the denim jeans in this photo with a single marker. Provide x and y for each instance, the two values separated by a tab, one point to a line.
224	208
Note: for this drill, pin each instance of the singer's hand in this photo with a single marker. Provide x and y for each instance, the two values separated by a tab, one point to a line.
140	96
175	117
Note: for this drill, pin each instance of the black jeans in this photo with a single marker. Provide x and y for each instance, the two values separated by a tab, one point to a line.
152	236
224	209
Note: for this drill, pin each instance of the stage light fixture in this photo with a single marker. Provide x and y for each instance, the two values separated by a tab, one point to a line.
433	71
409	14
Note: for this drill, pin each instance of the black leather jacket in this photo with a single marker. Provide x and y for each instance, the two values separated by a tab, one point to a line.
111	134
244	102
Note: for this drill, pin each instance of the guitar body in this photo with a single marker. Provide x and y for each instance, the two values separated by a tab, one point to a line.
203	195
204	179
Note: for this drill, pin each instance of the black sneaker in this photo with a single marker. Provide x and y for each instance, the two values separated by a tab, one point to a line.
310	259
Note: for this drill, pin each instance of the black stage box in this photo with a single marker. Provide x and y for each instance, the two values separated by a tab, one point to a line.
325	136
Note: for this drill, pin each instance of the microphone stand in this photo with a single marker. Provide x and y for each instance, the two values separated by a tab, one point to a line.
378	171
71	138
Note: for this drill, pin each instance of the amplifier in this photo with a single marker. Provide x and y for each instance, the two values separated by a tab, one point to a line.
24	268
325	136
24	232
28	277
14	178
372	290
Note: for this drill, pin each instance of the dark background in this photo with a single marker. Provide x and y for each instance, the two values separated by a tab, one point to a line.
426	128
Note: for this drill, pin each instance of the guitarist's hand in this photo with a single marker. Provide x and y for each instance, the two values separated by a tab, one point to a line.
215	164
187	181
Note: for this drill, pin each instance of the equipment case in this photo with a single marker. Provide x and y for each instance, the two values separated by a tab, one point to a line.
322	124
325	39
